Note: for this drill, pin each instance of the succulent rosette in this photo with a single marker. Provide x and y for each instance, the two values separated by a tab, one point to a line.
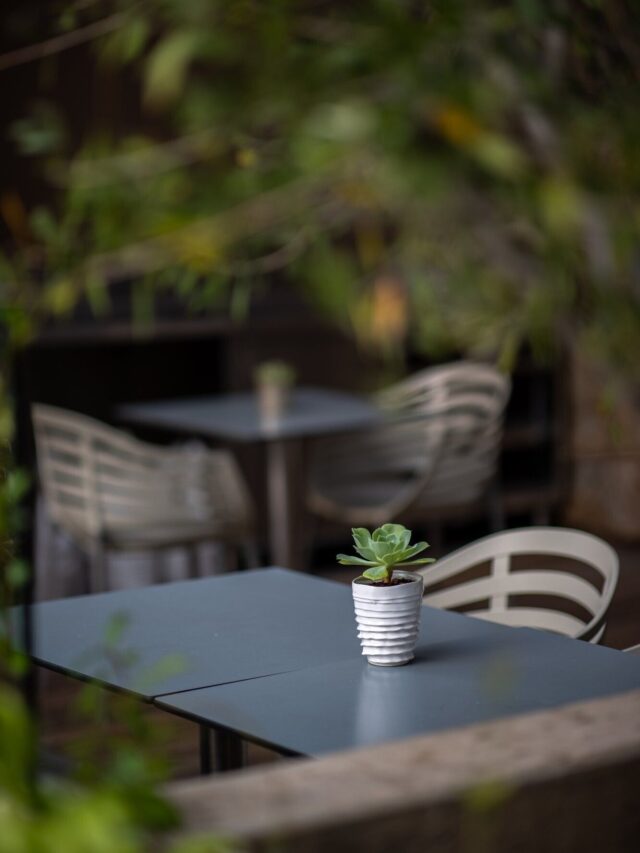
387	548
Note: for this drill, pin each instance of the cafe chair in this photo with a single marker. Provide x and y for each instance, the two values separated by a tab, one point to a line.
633	650
110	492
437	450
551	578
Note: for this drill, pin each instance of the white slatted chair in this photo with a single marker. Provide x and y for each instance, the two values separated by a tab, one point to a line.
110	492
494	594
439	448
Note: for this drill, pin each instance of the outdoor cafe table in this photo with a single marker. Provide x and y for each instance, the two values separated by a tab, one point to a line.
271	656
311	413
180	636
466	671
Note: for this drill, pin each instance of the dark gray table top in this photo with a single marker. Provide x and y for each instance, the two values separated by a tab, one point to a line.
180	636
466	671
235	417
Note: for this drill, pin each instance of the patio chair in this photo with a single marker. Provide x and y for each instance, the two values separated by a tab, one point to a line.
111	492
569	594
437	451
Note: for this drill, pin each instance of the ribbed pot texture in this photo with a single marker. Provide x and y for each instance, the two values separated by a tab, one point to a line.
388	619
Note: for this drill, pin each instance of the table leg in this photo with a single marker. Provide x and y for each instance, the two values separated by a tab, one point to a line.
229	751
280	488
205	750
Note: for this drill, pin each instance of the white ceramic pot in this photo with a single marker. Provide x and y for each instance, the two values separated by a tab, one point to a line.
273	401
388	619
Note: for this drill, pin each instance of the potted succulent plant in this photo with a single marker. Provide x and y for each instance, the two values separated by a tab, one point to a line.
273	380
387	598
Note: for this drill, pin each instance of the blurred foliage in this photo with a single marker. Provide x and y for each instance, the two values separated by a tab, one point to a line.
110	805
479	155
110	802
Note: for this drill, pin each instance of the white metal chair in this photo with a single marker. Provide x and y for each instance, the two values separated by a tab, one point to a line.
504	594
111	492
633	650
439	448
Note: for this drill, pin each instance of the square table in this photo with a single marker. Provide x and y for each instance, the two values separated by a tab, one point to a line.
466	671
312	412
228	628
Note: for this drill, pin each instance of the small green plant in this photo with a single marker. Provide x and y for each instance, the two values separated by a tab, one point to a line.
275	373
384	550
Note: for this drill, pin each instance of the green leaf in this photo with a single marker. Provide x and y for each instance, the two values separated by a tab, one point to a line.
349	560
382	549
561	205
393	557
377	573
16	486
40	133
361	536
413	550
44	225
16	745
367	554
168	65
395	530
167	666
405	538
133	38
60	296
499	156
17	573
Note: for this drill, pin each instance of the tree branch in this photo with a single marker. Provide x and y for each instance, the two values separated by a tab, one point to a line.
62	42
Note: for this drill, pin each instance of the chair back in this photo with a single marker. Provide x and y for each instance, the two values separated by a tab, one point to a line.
438	448
496	595
460	408
99	481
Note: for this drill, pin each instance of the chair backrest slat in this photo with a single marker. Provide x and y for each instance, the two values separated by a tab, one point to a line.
466	400
97	479
445	425
498	551
561	584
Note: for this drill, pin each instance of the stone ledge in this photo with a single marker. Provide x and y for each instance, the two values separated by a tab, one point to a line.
436	789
